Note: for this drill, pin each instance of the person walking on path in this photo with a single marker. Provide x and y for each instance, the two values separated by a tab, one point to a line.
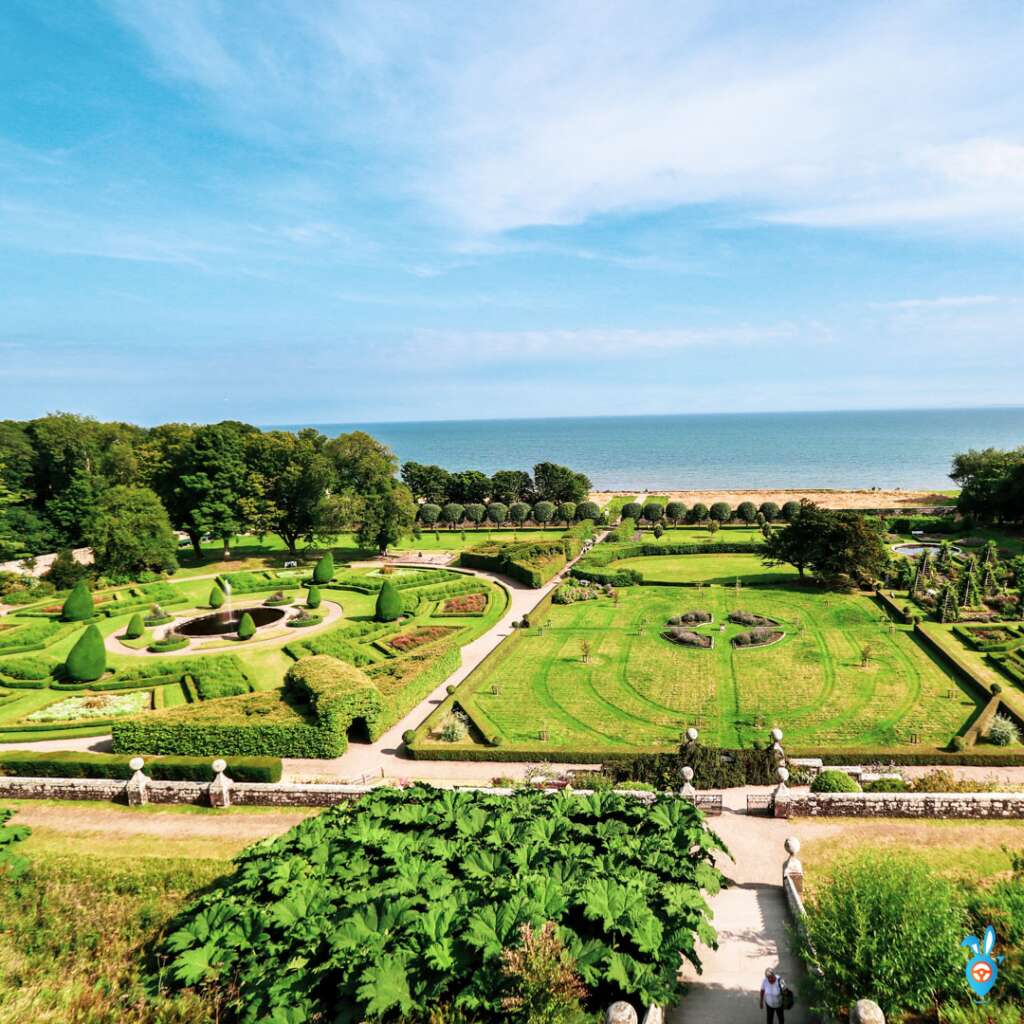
771	996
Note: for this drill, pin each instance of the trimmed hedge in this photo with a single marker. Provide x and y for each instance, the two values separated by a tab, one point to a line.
135	627
246	627
592	567
834	782
324	569
68	764
926	758
26	669
313	598
217	596
78	606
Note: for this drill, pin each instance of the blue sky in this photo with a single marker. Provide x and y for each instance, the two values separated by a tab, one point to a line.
341	212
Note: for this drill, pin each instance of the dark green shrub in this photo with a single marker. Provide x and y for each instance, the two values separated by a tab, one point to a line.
769	510
88	658
497	512
246	627
886	786
72	764
632	510
675	511
790	510
518	512
721	512
698	513
543	512
429	513
324	571
834	782
313	598
587	510
884	928
217	597
389	603
653	512
408	736
78	606
747	511
135	628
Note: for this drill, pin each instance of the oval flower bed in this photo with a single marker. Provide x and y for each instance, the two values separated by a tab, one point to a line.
750	619
694	618
94	706
418	637
687	638
464	604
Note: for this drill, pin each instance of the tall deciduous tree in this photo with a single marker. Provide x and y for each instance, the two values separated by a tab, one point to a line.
429	483
129	533
511	485
559	483
386	516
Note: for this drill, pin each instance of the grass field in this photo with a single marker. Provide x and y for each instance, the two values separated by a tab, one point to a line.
721	569
639	691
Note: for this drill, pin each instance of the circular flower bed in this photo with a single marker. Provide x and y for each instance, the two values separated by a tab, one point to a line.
276	600
171	642
157	620
687	638
304	620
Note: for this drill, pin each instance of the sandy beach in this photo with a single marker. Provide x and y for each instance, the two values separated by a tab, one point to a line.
826	498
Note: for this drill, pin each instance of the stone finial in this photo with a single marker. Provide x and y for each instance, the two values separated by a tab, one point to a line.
783	774
688	773
620	1013
692	734
792	868
137	784
778	751
865	1011
688	790
220	788
776	735
654	1015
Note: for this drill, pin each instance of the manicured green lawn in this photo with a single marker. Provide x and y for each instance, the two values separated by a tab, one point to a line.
639	691
720	569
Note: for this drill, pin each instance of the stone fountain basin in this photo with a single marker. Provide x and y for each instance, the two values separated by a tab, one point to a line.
222	623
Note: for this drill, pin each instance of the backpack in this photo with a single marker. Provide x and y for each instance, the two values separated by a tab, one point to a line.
788	995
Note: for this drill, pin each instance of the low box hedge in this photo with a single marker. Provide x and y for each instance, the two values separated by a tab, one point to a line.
67	764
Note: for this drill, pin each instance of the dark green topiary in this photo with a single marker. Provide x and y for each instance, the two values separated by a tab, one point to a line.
834	782
408	736
78	606
246	627
135	627
389	603
217	597
313	598
88	658
324	571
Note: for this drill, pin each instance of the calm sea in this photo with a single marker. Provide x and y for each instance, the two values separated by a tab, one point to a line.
909	448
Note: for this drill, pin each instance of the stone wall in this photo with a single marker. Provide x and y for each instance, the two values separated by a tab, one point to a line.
902	805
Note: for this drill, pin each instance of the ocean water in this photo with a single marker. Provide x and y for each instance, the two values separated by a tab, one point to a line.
909	448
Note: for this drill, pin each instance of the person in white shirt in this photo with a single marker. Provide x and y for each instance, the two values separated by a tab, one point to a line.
771	996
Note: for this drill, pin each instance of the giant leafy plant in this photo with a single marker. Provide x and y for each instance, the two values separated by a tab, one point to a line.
391	906
12	864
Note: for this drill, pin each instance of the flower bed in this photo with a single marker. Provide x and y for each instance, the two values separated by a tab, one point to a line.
694	618
760	637
750	619
304	620
94	706
687	638
405	642
464	604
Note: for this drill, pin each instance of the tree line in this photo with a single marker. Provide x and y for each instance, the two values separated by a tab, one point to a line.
991	484
68	481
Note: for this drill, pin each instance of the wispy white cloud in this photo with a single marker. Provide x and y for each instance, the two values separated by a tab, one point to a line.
540	113
941	302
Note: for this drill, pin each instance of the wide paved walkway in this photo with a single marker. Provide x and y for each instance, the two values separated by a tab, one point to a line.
751	918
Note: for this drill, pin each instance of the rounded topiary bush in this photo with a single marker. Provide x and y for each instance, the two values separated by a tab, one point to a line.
408	736
135	627
324	571
217	597
78	607
1002	732
313	598
389	603
88	658
886	786
246	627
831	781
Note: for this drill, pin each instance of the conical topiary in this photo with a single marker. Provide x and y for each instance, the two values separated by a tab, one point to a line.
389	603
217	597
135	627
246	627
324	571
88	658
313	598
78	606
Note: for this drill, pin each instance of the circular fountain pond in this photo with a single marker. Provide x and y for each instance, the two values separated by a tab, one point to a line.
221	623
916	548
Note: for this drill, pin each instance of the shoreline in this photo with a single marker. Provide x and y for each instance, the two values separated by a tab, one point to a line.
827	497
